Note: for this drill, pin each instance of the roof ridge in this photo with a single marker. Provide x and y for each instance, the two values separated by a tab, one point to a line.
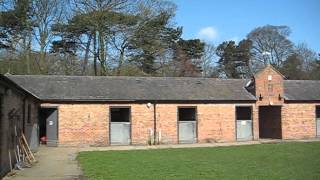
128	77
303	80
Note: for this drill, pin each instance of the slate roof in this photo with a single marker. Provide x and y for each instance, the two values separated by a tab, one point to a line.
93	88
302	90
112	88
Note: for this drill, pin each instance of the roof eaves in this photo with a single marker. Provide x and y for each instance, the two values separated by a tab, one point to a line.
140	100
18	86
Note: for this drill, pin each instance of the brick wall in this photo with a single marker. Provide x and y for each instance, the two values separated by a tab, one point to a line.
255	124
88	124
83	124
299	121
269	85
167	122
142	122
216	123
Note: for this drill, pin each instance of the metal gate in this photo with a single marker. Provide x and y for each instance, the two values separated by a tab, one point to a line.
120	133
244	129
52	128
187	131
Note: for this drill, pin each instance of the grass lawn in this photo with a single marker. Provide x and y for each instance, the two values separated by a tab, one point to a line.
265	161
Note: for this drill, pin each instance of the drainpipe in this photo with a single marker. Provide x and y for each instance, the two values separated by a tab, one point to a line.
154	122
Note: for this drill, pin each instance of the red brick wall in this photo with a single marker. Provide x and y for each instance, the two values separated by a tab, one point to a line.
88	124
142	122
299	121
270	96
216	123
167	122
269	89
83	124
255	114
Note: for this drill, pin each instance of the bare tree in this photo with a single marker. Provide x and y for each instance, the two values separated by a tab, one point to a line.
209	59
270	44
45	14
307	55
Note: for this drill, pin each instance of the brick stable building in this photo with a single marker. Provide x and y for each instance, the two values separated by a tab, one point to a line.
99	111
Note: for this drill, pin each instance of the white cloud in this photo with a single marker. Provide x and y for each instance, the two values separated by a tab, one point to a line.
208	34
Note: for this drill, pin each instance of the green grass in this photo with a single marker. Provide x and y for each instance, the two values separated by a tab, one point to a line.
265	161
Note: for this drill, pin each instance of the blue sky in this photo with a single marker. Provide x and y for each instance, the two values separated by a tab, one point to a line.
217	20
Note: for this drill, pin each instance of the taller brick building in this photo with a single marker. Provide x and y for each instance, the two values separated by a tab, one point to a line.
99	111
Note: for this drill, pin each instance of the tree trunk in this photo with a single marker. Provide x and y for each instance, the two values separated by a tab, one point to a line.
102	55
86	55
27	52
95	54
121	60
43	38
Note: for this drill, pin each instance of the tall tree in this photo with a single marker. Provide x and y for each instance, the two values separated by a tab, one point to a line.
151	40
307	55
45	13
270	45
292	67
188	57
16	29
121	34
234	59
315	72
101	14
208	61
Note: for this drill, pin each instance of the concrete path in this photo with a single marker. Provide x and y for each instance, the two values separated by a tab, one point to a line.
60	163
54	164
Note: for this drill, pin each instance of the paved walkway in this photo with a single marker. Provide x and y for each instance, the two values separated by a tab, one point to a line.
54	164
60	163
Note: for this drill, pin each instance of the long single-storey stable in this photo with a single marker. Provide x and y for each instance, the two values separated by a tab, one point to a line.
101	111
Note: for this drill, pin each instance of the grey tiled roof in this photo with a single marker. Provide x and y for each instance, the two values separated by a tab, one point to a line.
302	90
93	88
